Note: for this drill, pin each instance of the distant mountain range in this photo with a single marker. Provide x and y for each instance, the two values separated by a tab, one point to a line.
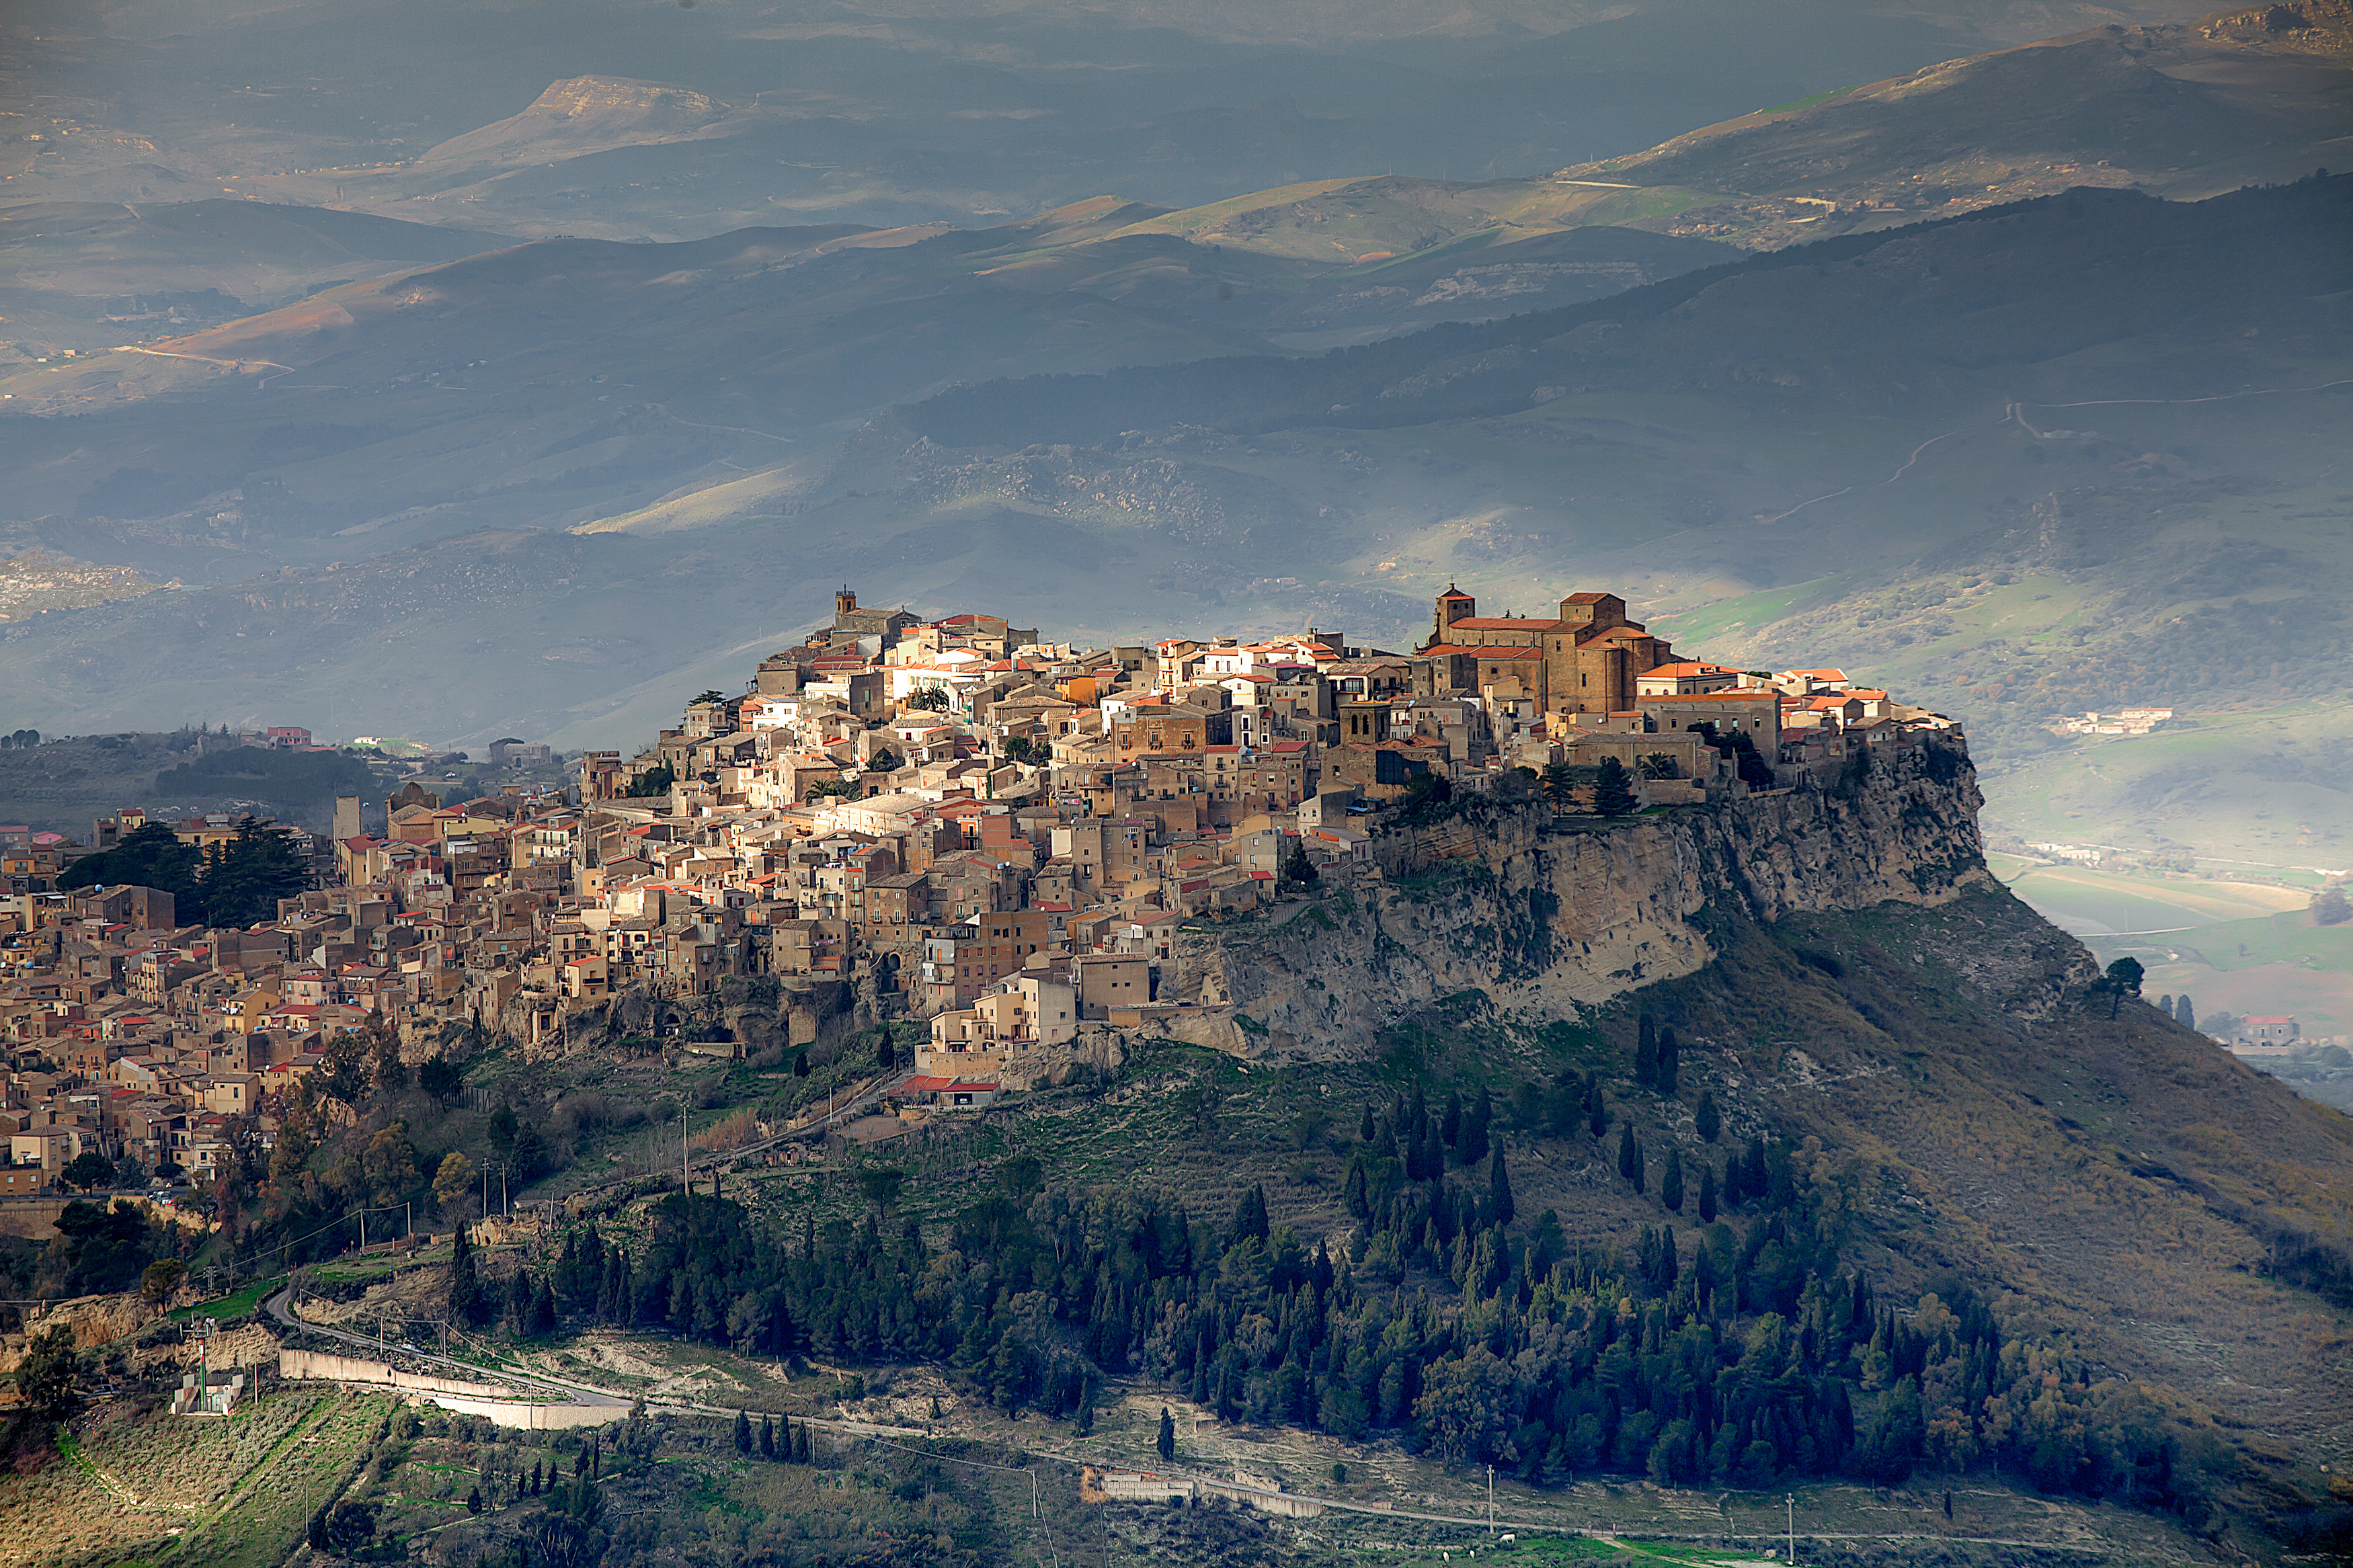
633	120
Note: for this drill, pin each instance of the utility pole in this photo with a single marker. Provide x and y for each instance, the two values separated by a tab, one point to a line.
505	1206
1490	1499
1791	1497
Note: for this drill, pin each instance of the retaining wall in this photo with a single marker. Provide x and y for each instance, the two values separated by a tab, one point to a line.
502	1406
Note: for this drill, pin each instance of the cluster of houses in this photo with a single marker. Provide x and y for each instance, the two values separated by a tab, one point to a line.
2126	721
997	835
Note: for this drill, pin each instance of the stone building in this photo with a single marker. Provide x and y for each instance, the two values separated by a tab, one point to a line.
1582	659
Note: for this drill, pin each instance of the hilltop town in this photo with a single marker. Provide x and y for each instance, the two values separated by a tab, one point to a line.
964	826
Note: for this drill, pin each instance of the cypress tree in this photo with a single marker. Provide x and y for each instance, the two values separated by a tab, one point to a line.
1646	1053
767	1437
2183	1014
742	1433
1249	1223
1450	1123
1476	1123
465	1287
1166	1442
1671	1184
517	1313
1630	1156
1500	1204
1596	1113
1709	1122
1355	1195
1707	1194
1671	1058
543	1312
1365	1128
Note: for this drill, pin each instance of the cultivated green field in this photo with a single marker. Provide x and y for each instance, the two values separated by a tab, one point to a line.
2091	902
2275	963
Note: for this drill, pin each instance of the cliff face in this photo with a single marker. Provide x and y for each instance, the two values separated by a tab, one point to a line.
1550	918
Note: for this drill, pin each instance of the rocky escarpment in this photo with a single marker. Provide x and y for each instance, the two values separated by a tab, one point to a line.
1550	916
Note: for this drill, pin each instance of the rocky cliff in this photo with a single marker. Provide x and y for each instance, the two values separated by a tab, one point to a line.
1549	916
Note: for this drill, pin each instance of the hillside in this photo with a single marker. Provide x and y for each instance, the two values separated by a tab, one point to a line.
2188	110
1919	1211
542	118
88	274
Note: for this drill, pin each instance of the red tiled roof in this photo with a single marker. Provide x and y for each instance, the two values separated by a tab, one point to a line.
1504	622
1729	694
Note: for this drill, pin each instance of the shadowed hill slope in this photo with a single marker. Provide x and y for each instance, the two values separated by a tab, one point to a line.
1926	315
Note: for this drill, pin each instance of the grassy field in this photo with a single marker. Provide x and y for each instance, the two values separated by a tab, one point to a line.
2091	902
224	1492
2259	787
236	1305
2274	964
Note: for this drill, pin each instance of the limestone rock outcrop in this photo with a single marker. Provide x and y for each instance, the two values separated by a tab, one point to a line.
1549	917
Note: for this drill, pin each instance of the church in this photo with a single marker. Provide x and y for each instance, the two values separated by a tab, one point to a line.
1583	660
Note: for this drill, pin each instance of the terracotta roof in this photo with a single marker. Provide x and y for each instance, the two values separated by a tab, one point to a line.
1587	598
1504	622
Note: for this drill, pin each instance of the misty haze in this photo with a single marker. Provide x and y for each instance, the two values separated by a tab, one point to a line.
1357	780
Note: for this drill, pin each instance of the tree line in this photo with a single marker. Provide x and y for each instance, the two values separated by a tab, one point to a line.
235	883
1716	1355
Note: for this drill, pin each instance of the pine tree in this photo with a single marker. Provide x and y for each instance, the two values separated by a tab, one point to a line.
1501	1206
465	1288
1671	1184
1630	1156
1646	1053
1706	1118
1707	1194
1167	1439
1613	795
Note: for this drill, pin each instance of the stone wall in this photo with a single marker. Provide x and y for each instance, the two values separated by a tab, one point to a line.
503	1407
